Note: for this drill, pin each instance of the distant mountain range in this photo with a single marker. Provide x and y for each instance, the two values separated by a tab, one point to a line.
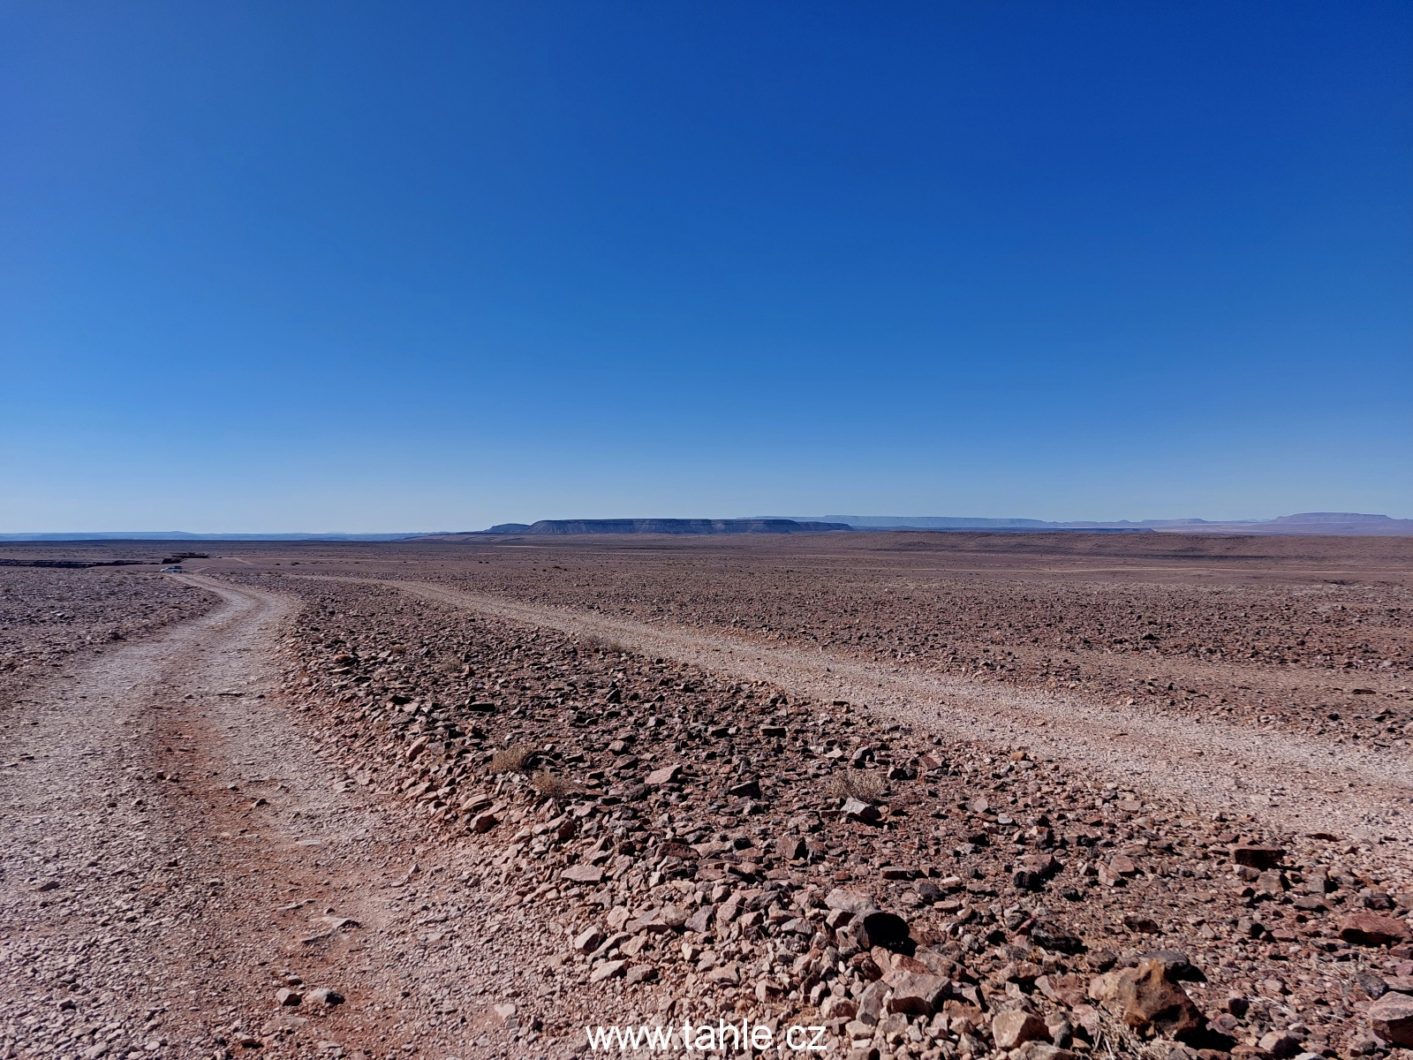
1351	524
183	535
1341	523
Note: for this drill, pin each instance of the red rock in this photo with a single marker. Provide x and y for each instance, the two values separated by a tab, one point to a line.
1257	857
608	970
1149	1001
1371	929
1392	1019
583	874
1014	1028
858	810
1280	1046
915	993
1066	990
846	900
660	777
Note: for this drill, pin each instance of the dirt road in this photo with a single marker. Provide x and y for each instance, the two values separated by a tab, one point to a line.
174	850
1299	783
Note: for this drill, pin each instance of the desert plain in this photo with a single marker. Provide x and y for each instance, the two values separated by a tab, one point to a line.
934	794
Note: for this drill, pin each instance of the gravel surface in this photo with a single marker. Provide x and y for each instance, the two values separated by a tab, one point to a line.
1286	780
689	823
457	804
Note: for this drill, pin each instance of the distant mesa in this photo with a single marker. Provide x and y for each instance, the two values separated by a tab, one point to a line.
566	527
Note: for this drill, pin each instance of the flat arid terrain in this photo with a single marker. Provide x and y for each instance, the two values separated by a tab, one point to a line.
888	794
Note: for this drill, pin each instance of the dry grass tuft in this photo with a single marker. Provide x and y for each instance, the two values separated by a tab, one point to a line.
451	663
512	759
551	785
603	645
864	784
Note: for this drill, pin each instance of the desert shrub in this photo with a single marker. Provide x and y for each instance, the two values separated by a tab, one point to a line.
865	784
551	785
451	663
512	759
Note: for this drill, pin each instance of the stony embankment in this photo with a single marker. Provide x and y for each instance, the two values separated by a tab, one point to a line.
710	850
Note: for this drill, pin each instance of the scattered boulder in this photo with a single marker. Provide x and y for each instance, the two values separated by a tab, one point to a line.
1257	857
1149	1000
1050	936
1391	1017
1034	870
1279	1046
916	993
607	970
1373	929
661	777
1143	925
858	810
588	940
1179	965
1016	1027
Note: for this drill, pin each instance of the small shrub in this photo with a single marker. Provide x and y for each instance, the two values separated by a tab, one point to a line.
512	759
550	784
864	784
451	663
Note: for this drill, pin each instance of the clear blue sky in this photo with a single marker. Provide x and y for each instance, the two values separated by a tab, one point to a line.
356	266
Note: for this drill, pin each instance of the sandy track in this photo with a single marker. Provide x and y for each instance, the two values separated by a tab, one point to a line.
173	846
1294	782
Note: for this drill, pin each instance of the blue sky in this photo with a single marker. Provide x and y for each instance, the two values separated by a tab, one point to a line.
372	266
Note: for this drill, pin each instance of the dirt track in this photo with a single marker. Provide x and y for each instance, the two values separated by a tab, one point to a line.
1298	783
173	849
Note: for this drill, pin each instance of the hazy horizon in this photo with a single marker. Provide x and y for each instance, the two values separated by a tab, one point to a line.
383	531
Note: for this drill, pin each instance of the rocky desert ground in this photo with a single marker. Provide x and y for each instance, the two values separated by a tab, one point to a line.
893	795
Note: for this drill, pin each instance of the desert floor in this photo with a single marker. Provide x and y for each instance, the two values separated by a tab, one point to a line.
940	795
